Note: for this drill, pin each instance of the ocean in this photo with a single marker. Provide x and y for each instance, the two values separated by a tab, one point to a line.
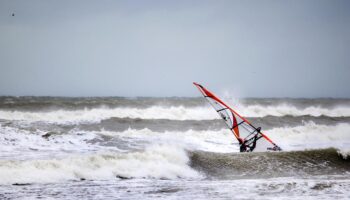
171	148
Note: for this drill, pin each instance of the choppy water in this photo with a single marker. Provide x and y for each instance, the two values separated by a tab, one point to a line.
170	148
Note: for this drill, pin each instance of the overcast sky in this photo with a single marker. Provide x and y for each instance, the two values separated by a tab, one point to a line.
291	48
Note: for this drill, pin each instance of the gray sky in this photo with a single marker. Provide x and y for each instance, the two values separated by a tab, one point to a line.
291	48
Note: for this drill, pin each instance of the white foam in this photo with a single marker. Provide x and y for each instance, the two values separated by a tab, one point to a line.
22	144
345	152
213	141
307	136
168	162
172	113
311	136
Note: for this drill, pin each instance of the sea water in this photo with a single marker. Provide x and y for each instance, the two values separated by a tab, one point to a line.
170	148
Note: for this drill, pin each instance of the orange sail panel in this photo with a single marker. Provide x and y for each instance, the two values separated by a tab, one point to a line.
239	126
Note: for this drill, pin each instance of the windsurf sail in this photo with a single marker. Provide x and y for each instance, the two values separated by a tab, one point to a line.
246	133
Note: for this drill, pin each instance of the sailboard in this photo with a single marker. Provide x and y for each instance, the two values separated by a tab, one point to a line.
245	132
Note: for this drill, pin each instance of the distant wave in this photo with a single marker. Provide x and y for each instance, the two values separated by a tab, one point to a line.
172	113
286	109
98	114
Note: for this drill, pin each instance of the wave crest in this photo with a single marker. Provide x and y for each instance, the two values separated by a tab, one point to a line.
270	164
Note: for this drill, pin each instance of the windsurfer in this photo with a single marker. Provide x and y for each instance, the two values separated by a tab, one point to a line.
246	134
243	147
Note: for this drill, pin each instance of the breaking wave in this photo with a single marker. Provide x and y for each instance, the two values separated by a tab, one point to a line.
160	162
311	136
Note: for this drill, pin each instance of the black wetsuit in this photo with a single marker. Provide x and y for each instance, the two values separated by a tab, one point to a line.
245	148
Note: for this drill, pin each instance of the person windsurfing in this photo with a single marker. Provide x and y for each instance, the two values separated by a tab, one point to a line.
245	132
244	147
